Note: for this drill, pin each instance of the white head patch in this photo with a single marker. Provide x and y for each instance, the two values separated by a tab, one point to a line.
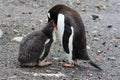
48	14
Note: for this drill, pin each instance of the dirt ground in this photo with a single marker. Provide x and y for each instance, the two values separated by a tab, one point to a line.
102	23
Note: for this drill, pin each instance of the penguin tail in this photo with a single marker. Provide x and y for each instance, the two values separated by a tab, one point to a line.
94	65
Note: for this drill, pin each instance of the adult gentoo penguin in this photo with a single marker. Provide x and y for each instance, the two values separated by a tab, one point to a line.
34	48
71	31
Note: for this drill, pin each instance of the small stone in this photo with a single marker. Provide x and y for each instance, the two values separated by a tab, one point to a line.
35	74
23	12
89	74
99	77
95	39
112	58
95	17
33	28
1	33
15	31
101	6
109	26
30	12
88	47
95	32
41	21
9	15
116	45
48	71
99	51
104	43
78	2
55	58
17	39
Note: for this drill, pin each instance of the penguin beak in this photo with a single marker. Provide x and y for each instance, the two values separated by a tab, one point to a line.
55	26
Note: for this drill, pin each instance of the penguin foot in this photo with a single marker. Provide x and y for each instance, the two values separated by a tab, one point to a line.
46	63
71	64
68	65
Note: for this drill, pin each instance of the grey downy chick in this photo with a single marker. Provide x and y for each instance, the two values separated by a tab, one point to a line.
35	47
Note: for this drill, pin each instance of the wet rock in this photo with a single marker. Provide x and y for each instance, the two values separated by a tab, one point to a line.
1	33
112	58
95	17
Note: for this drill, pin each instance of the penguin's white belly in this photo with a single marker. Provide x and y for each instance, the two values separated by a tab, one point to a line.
61	25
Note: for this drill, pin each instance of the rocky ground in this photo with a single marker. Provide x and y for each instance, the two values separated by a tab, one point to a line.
101	19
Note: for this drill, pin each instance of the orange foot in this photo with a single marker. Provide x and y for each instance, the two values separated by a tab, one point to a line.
46	63
68	65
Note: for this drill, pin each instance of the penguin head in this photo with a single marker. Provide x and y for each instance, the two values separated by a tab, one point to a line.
54	12
48	29
52	18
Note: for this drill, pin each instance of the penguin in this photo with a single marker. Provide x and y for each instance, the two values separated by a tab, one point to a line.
71	31
35	47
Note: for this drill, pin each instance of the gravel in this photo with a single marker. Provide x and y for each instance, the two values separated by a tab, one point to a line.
21	17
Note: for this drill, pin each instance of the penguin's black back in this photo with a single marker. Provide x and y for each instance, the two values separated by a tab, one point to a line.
72	19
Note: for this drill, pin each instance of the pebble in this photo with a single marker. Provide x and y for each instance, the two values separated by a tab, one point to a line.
95	39
116	45
23	12
55	58
112	58
30	12
99	51
15	31
101	6
9	15
104	43
109	26
0	48
17	39
1	33
78	2
35	74
95	17
41	21
88	47
89	74
33	28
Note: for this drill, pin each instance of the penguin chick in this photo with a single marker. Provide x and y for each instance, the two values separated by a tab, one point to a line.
34	48
71	31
